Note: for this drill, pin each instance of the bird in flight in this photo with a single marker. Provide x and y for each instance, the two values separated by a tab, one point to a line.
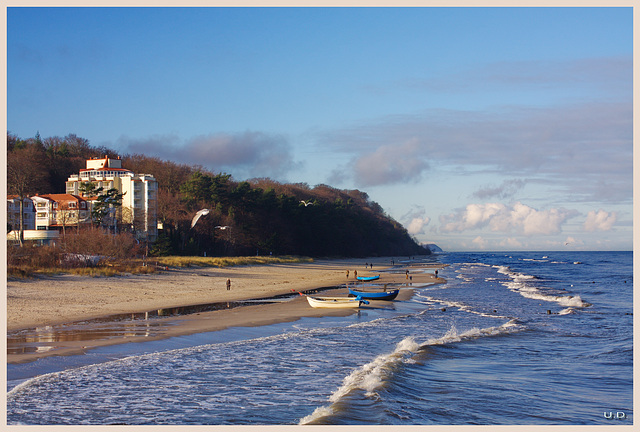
222	227
198	215
306	203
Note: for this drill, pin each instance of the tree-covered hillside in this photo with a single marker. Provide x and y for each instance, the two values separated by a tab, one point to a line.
248	217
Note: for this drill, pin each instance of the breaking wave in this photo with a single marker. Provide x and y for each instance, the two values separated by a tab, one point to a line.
374	375
520	283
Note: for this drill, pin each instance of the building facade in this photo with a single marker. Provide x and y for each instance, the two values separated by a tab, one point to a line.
60	211
13	213
140	199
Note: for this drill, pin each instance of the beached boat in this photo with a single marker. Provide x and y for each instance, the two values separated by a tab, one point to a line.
375	295
335	302
368	278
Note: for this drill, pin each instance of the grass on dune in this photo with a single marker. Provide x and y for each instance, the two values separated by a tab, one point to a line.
152	264
188	261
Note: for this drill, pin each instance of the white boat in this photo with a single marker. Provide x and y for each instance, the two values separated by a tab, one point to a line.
335	302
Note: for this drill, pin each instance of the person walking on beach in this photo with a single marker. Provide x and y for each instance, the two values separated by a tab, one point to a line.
407	274
228	284
347	274
355	274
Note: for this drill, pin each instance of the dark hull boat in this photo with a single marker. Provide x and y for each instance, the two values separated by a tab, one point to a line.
375	295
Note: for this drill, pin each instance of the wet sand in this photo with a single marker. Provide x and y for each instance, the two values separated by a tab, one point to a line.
39	310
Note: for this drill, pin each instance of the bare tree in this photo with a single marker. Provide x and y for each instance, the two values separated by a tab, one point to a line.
25	173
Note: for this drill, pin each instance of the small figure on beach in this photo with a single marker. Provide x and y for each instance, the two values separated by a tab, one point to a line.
228	284
436	273
371	265
347	274
355	274
407	274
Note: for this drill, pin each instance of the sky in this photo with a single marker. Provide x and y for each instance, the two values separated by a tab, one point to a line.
477	128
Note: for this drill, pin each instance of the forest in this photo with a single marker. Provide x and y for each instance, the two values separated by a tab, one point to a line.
259	216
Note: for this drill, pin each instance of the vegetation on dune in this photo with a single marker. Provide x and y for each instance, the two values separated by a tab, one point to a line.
247	218
194	261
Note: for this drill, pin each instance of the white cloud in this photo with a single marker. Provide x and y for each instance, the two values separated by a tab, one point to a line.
417	225
480	242
600	220
499	217
415	220
510	242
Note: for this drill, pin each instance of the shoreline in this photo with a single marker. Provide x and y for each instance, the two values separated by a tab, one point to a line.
36	307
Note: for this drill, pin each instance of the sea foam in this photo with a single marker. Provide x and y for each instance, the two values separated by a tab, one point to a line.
375	374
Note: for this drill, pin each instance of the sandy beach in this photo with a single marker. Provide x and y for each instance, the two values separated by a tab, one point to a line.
42	303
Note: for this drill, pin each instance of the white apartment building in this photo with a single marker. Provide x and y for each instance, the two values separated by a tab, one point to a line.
13	213
60	211
140	200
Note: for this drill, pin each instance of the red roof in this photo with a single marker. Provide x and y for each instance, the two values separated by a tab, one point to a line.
105	169
61	197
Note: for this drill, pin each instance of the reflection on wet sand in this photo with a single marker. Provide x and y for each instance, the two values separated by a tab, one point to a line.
142	324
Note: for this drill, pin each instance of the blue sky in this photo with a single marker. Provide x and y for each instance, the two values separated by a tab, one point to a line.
476	128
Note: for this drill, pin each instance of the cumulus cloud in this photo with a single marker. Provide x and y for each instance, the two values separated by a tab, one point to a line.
416	220
498	217
248	154
600	220
511	243
480	242
417	225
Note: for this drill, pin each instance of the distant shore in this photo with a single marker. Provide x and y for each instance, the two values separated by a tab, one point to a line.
48	301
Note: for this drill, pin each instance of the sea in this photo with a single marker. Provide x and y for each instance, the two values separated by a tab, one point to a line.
512	338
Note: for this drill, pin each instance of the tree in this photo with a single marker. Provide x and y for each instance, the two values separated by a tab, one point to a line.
105	206
66	215
89	189
26	172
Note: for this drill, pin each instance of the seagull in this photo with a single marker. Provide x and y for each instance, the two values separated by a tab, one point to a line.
199	214
222	227
306	203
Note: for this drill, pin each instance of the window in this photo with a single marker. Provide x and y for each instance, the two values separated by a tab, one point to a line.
55	205
72	205
83	205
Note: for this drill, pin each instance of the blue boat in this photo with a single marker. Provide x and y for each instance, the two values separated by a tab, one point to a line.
375	295
368	278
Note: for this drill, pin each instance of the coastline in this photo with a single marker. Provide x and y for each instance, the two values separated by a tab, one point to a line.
40	304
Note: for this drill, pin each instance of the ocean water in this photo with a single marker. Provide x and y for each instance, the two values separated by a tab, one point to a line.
539	338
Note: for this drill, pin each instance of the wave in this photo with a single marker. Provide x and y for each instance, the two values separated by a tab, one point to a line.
519	284
376	374
422	298
567	311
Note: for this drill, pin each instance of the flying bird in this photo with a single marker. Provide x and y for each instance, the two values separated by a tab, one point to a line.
198	215
222	227
306	203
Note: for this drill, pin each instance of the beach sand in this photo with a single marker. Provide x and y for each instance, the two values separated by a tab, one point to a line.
42	303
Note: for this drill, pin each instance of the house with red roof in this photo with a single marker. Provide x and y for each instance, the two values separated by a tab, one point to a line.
139	202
